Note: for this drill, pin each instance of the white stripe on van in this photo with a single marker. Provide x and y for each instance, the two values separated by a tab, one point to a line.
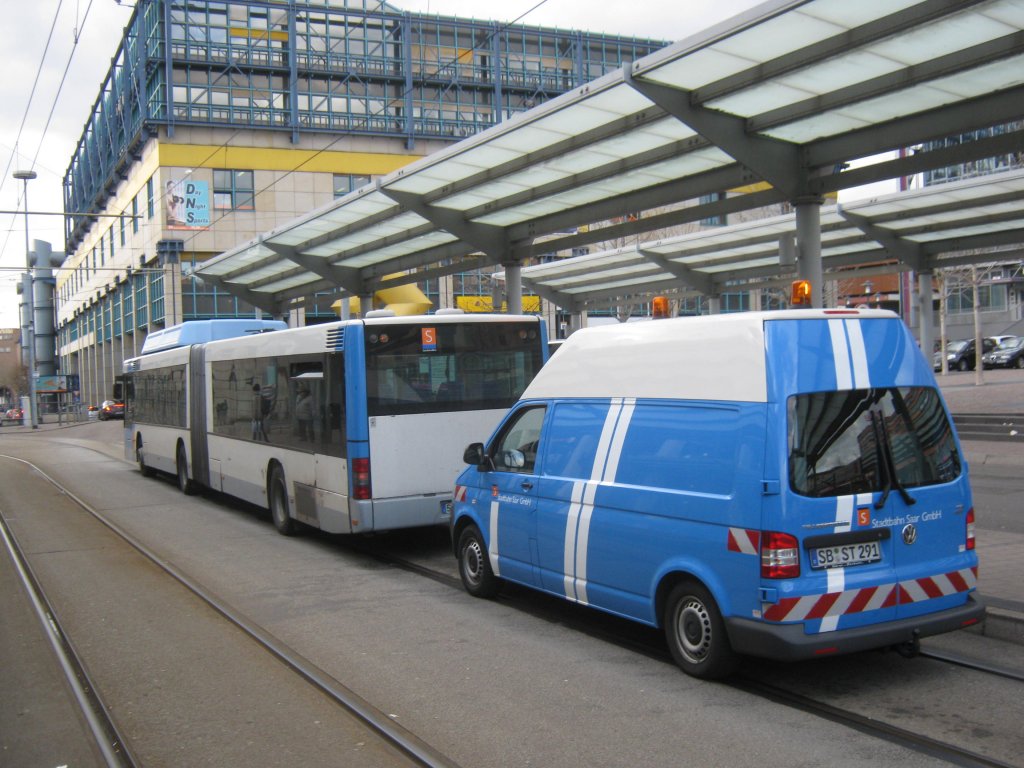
492	549
858	354
840	354
583	541
845	506
581	507
571	524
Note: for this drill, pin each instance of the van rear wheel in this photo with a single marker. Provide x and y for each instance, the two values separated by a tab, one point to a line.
696	633
475	566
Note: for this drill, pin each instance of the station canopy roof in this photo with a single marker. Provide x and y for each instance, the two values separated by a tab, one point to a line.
921	230
774	106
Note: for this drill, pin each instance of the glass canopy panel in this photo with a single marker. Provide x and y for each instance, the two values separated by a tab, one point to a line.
619	100
696	69
987	79
944	36
846	14
295	281
1008	12
528	138
241	258
268	272
717	269
779	36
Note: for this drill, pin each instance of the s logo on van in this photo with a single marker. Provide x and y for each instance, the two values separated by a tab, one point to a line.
864	516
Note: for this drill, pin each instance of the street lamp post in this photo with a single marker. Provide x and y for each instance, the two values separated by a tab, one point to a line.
25	177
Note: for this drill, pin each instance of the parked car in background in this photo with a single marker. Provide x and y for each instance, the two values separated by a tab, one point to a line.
112	409
14	414
960	354
1009	354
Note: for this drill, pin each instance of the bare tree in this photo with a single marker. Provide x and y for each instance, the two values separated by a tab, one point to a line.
958	281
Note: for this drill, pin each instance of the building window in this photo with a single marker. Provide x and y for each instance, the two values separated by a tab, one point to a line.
345	183
135	215
991	298
233	190
150	203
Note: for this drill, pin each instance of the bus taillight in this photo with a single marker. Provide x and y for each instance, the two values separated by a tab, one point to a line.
970	528
360	478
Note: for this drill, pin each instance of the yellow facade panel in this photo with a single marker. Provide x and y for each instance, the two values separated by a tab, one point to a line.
273	159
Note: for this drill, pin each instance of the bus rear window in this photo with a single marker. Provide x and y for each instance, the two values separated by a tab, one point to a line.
848	442
449	367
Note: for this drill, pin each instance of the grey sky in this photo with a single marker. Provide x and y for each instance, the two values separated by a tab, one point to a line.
98	24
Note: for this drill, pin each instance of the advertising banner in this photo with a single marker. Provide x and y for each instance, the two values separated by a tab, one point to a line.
187	204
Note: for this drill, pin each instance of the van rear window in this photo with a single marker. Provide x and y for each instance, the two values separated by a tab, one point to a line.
848	442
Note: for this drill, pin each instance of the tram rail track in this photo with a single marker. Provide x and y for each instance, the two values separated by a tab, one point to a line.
415	749
904	737
555	611
107	738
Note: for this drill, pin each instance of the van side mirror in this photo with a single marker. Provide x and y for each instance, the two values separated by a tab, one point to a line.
474	454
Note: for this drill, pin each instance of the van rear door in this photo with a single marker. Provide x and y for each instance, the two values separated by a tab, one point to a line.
876	494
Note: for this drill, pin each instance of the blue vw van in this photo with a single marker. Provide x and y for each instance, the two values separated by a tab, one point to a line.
777	484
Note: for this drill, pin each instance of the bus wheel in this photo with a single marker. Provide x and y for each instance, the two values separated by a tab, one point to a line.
696	633
185	483
475	566
140	457
277	498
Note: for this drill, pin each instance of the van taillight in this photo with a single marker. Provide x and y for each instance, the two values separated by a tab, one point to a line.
360	478
780	556
970	528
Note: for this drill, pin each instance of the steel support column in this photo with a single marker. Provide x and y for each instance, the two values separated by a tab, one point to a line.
808	245
514	287
926	332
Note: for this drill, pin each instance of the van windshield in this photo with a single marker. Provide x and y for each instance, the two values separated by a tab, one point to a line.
849	442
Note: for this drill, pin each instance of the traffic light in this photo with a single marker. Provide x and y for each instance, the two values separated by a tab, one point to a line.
800	295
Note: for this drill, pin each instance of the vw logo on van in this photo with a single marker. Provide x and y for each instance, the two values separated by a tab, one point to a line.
909	533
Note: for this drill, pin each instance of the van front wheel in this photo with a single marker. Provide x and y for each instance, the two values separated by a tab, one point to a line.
475	565
696	633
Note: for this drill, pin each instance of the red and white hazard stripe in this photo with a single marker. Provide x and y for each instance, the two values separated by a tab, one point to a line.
871	598
460	493
744	541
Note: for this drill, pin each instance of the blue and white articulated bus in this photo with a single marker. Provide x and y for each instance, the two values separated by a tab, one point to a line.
781	484
349	427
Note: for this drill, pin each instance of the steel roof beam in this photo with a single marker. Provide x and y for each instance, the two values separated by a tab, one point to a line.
563	300
777	162
344	277
489	239
936	124
696	280
905	251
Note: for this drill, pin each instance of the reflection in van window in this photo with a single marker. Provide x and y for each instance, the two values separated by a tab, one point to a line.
842	443
516	449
